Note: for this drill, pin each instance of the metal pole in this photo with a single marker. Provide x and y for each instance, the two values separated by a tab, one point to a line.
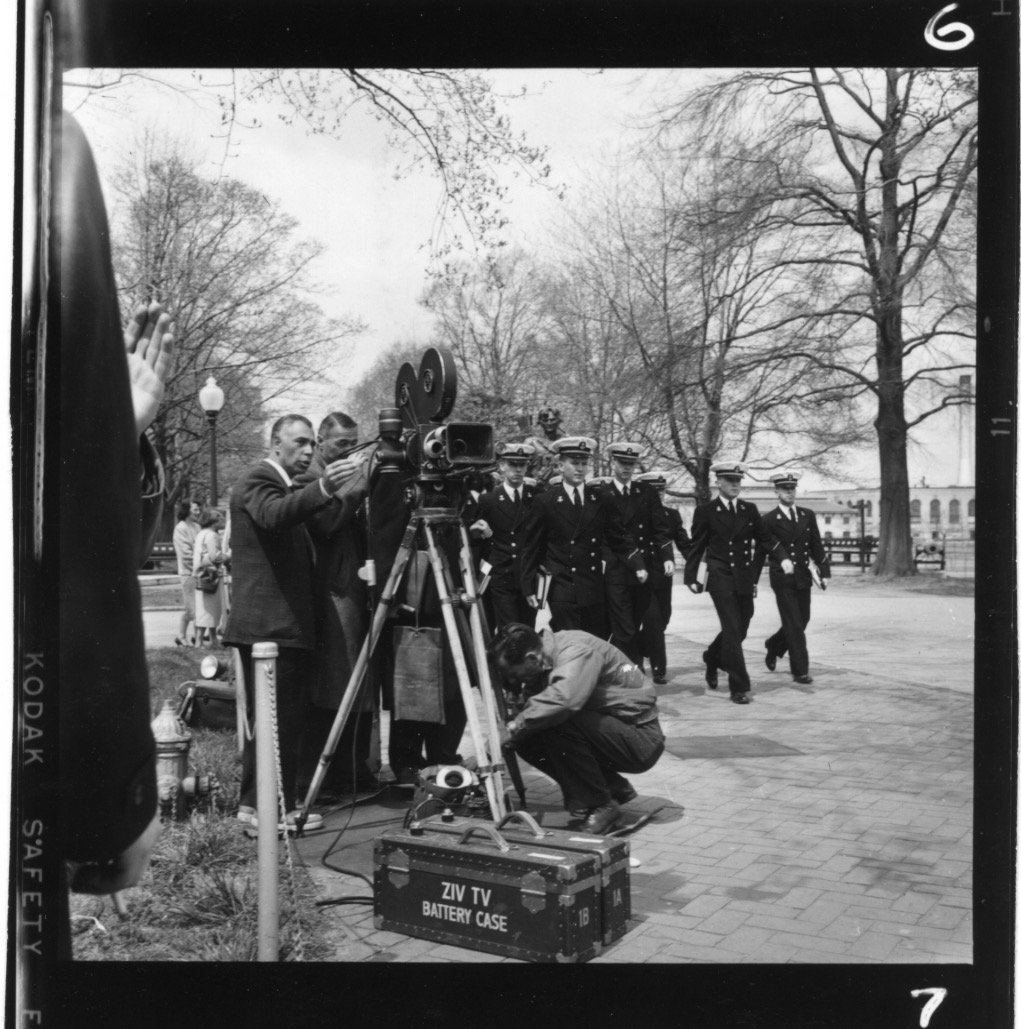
211	415
264	660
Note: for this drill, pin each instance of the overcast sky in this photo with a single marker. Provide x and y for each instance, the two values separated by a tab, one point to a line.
375	228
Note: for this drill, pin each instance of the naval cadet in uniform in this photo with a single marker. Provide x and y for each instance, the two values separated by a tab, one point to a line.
565	533
497	522
657	615
797	530
641	512
724	533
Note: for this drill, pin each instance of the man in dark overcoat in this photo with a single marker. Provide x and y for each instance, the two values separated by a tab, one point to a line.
497	521
565	534
640	510
657	615
271	564
797	530
342	616
724	534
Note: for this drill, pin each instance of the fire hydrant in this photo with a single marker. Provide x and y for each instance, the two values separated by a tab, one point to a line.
174	786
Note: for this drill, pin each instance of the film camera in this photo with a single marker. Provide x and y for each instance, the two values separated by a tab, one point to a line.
440	460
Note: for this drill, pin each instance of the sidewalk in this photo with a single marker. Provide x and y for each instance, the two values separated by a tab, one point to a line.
822	823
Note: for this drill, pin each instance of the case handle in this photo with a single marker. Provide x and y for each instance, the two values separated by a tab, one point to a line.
529	821
490	832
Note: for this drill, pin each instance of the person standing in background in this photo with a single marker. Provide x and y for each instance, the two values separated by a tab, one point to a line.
207	554
187	528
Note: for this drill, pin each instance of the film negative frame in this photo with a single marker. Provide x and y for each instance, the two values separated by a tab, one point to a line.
526	33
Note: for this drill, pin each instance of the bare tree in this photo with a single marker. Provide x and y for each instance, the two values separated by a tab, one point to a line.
493	318
225	260
703	307
873	169
451	121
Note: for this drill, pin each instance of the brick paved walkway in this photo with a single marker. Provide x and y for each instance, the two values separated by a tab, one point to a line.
823	823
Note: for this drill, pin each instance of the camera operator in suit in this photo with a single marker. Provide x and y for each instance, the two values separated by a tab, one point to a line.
272	567
342	616
725	532
797	530
657	614
566	532
496	528
641	512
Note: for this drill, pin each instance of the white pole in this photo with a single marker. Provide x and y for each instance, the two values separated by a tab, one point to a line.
264	660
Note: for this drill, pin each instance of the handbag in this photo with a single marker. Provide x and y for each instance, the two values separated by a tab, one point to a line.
207	579
208	705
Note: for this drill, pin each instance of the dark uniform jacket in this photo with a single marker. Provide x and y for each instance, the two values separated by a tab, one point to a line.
643	515
341	597
504	549
681	544
272	559
801	541
728	543
569	542
588	673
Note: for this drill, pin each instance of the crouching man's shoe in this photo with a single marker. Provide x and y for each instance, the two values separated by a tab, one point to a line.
602	819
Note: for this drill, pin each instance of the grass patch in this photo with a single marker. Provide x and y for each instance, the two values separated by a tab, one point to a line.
198	900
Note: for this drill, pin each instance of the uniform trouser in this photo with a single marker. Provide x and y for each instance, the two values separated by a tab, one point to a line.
586	754
653	634
795	607
505	603
407	739
571	608
294	671
626	605
735	612
351	755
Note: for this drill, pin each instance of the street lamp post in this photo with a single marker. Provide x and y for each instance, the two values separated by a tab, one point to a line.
211	400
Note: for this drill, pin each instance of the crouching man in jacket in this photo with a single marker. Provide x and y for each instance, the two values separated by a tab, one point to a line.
587	714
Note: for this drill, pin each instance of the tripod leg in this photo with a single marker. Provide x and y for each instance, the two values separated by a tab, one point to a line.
494	715
494	788
357	680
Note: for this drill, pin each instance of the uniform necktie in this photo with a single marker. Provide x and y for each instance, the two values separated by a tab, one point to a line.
517	499
730	505
577	497
626	492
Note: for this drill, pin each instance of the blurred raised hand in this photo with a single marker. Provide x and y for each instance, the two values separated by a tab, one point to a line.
149	343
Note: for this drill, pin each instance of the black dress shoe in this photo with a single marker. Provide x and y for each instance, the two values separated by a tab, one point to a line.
602	819
770	657
803	679
659	679
624	793
740	698
711	677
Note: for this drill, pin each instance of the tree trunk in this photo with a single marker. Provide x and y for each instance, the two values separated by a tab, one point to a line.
894	555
